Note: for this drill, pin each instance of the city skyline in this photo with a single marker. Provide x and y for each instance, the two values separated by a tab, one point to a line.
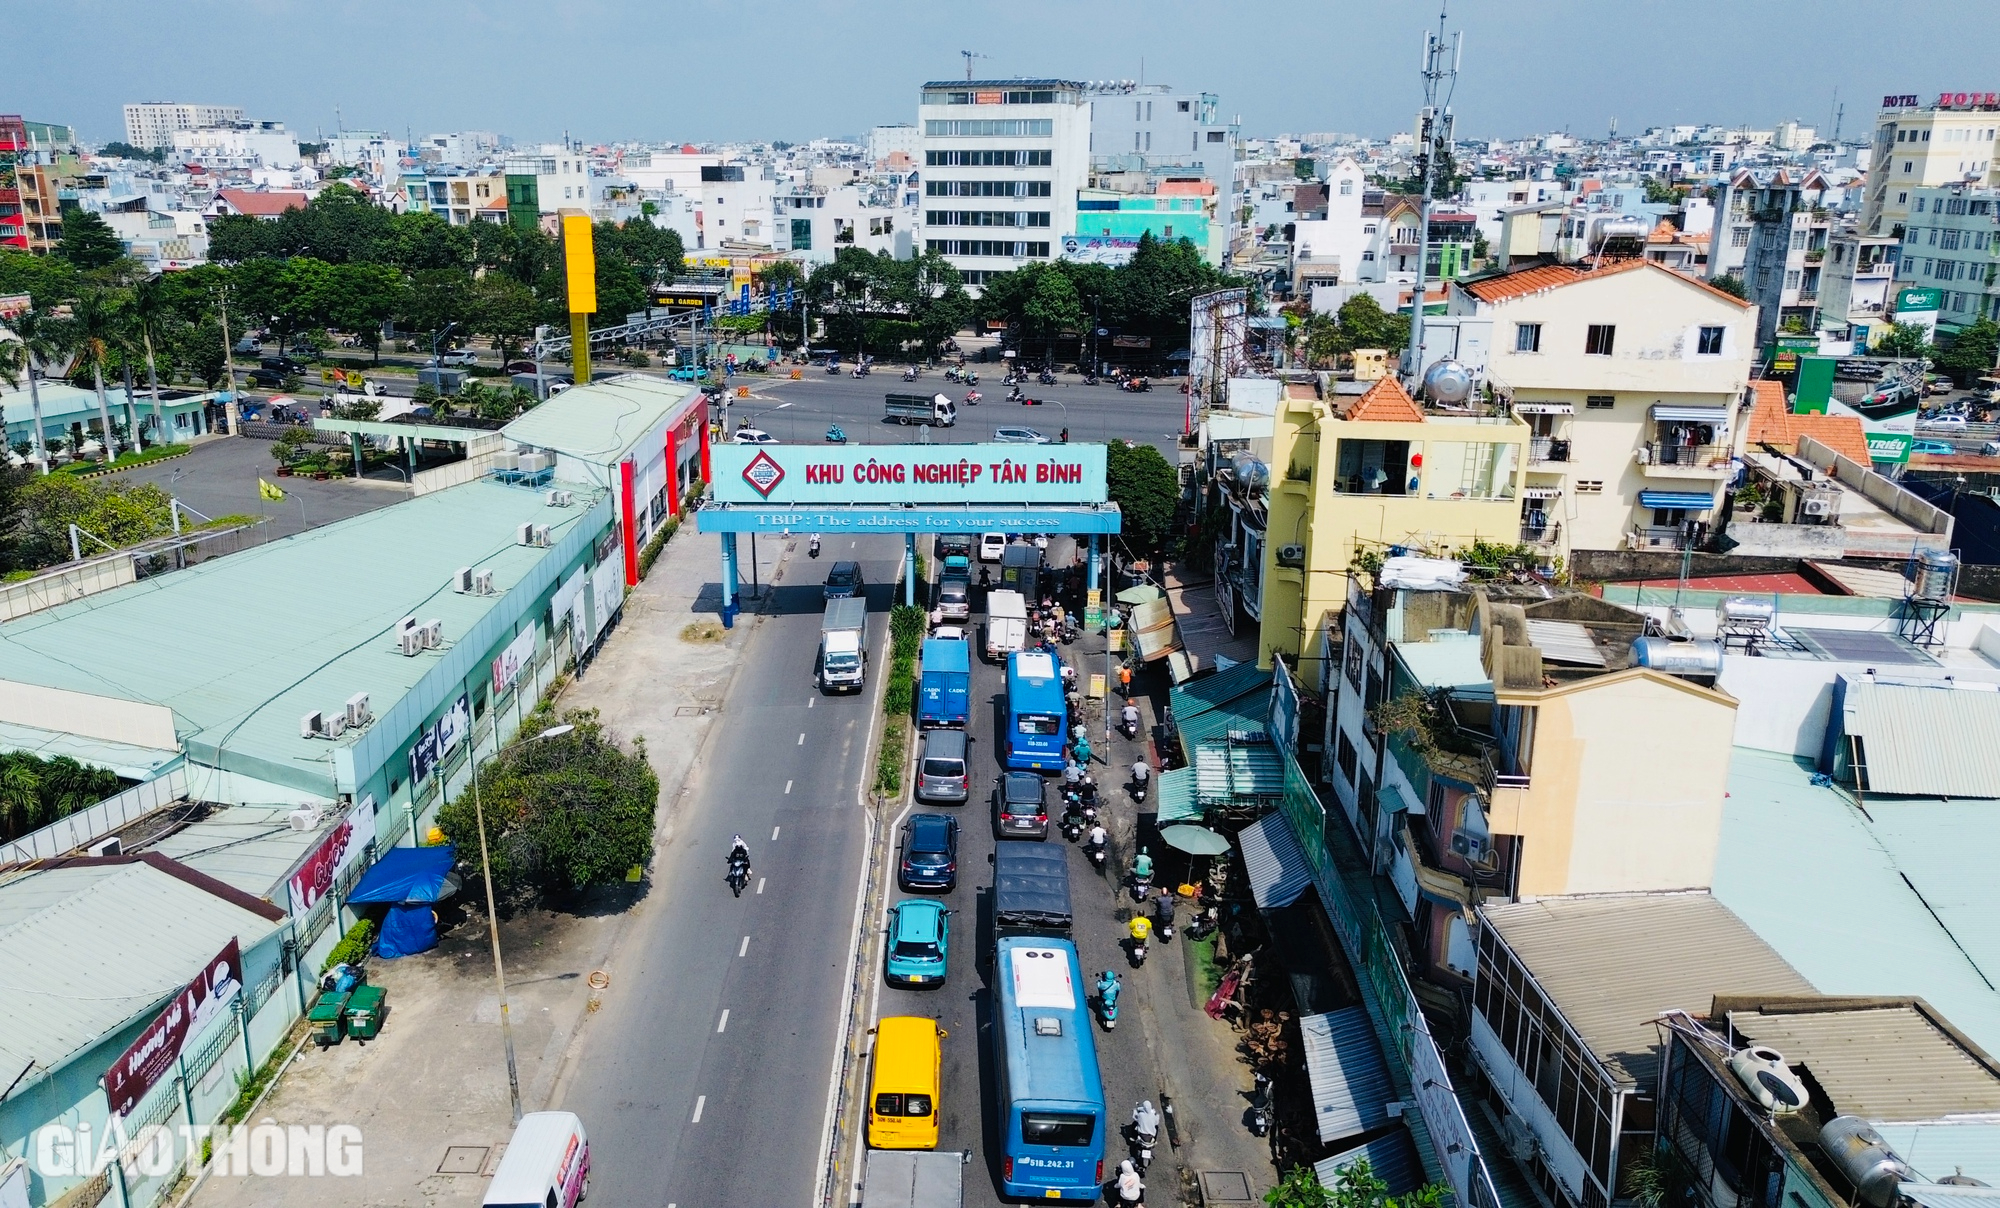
1298	69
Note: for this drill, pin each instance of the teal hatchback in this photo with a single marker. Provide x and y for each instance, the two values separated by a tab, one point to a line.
918	938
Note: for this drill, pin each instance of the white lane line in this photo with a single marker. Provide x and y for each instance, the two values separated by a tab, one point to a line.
802	738
722	1025
760	885
700	1102
788	792
875	992
810	702
744	947
774	830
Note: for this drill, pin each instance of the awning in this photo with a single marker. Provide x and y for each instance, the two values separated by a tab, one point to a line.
1544	409
1691	415
1541	492
1391	1158
408	874
1175	800
1699	501
1350	1082
1277	868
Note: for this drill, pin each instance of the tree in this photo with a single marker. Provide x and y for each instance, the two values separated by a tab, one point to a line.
100	334
122	150
1661	192
1362	323
1972	352
437	298
1356	1186
116	513
504	311
88	242
1904	340
47	339
1732	284
620	291
49	280
149	310
654	252
1053	308
361	298
1146	490
562	814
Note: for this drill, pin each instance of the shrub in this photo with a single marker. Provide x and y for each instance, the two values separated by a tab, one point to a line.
902	686
647	556
906	631
889	760
352	947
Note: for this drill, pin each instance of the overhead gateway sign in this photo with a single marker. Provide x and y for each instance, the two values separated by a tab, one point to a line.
912	474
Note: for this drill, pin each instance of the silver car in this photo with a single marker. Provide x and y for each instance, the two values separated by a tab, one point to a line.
941	773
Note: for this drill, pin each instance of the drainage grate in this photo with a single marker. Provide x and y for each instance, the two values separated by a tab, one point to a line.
1225	1187
691	711
463	1159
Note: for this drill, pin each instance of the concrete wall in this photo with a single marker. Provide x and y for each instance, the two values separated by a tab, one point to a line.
1823	542
1882	492
104	717
452	474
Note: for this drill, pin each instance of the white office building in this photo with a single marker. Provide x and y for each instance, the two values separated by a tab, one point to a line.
1151	128
885	141
239	146
150	125
562	176
1003	160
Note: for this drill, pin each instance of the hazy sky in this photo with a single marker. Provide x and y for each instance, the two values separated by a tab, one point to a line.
792	69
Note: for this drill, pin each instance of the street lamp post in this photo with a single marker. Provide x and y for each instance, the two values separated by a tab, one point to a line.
493	918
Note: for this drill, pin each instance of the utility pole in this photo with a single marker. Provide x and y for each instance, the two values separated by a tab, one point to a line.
233	408
1435	137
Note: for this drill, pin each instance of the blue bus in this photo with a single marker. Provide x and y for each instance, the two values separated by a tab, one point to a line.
1051	1100
1037	714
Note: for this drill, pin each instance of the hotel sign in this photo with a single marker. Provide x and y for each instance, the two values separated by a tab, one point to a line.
1946	100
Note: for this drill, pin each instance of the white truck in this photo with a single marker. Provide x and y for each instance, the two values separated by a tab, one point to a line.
843	645
1006	624
938	409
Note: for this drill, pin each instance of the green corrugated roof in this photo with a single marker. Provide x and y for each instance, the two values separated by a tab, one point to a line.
1222	688
247	847
128	760
601	421
1234	773
87	950
1176	798
249	643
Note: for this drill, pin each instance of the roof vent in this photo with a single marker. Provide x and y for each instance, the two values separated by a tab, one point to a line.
1048	1025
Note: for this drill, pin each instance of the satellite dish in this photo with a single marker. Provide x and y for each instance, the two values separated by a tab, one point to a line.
1779	1089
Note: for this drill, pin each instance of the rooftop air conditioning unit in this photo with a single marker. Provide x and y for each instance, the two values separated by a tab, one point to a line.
507	459
525	535
113	846
336	725
462	584
534	463
409	622
561	499
433	631
357	710
412	642
1817	505
312	725
541	536
482	582
1769	1080
305	818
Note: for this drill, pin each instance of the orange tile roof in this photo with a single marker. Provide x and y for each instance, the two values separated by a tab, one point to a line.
263	205
1773	423
1543	277
1665	232
1385	402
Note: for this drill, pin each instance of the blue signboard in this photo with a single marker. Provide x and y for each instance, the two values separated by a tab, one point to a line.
784	475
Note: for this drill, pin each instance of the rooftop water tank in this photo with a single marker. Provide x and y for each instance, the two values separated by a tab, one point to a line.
1702	656
1251	474
1448	382
1866	1159
1769	1080
1935	571
1748	612
1607	227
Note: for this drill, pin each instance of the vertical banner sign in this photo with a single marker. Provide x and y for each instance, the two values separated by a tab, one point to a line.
153	1055
514	657
335	854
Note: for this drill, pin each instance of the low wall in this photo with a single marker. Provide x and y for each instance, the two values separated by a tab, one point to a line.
86	826
452	474
72	582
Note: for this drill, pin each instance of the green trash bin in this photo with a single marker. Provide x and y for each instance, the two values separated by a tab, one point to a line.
328	1018
366	1009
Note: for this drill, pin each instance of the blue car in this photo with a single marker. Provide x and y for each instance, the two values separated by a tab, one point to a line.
930	853
918	937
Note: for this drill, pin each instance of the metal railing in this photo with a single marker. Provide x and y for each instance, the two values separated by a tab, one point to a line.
1548	448
1541	534
1654	536
1668	453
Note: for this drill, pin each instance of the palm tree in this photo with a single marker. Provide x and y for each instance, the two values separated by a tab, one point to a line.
148	309
43	338
100	331
20	797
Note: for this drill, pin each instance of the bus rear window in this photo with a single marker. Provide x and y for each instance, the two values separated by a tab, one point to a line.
1057	1128
1040	723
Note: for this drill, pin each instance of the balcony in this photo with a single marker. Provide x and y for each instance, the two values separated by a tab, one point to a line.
1545	533
1665	459
1548	449
1653	536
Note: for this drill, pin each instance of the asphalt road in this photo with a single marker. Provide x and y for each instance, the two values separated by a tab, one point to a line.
705	1079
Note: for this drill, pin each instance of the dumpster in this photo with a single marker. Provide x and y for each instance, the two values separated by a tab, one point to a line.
328	1018
366	1008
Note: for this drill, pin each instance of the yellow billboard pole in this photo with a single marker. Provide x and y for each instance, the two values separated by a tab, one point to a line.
580	268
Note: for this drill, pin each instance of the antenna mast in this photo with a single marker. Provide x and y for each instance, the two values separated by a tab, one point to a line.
970	55
1433	155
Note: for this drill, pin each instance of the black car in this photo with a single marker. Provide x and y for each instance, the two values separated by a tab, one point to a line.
930	853
269	378
843	580
283	365
1019	806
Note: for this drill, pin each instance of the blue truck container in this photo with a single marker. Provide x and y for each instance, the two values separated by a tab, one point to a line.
944	694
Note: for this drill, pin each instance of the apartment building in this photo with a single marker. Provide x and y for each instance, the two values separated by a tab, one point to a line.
544	181
1003	160
1952	244
150	125
1780	224
459	197
237	146
886	143
1921	146
873	214
1360	473
1856	277
1628	376
1151	128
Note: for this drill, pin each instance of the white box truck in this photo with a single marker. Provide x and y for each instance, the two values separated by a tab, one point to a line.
936	409
843	645
1006	624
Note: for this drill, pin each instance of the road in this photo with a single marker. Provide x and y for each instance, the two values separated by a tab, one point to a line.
705	1077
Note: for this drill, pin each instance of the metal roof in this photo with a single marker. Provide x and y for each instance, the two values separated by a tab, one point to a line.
1943	1148
1691	500
248	847
601	422
1565	642
1242	769
1888	1062
1198	696
962	85
1450	659
1937	1195
1933	740
1277	869
1351	1089
1391	1158
87	949
1175	797
1611	964
129	760
273	632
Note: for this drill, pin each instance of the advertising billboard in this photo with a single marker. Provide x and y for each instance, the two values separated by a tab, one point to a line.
909	474
1886	403
1113	250
335	854
153	1055
1920	307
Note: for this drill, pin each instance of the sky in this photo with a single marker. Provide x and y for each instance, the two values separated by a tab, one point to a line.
701	70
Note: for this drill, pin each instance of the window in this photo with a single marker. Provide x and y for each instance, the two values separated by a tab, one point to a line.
1527	337
1051	1128
1709	342
1792	279
1036	127
802	234
1038	250
1798	241
1347	188
1182	106
1598	340
987	218
1739	237
1345	758
1373	467
988	159
1599	402
1216	136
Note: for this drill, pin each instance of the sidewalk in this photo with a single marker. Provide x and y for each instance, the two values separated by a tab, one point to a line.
430	1095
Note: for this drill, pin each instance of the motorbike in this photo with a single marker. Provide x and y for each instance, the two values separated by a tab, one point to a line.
1070	630
812	547
1142	1133
833	368
1108	988
1128	725
1138	953
1090	379
1137	385
739	874
861	371
1202	924
1142	877
971	379
1046	378
1163	917
1139	789
1260	1106
909	375
835	436
951	374
1072	822
972	398
1096	853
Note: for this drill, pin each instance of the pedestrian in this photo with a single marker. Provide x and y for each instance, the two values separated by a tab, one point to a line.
1125	680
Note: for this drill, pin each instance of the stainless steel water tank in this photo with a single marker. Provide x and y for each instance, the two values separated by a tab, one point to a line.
1748	612
1865	1158
1251	474
1935	570
1703	656
1448	382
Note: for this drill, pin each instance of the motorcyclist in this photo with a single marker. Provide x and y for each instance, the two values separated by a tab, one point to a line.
985	578
1072	772
1109	987
1096	836
1131	1191
1142	866
1129	717
1141	928
1141	770
1146	1121
1163	908
738	850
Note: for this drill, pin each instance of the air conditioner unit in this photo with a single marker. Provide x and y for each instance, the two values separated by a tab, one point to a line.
305	818
412	641
336	725
433	631
1288	554
357	710
1817	505
462	584
482	582
561	499
541	536
312	725
507	459
525	535
113	846
1472	847
534	463
409	622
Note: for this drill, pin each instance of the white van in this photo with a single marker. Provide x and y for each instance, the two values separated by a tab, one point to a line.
547	1164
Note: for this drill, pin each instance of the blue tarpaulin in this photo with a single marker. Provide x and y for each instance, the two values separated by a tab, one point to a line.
409	879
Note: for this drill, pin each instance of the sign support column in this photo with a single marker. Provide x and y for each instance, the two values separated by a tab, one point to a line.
728	580
580	272
910	569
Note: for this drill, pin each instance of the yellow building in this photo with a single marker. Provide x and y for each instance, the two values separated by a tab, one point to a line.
1362	474
1924	147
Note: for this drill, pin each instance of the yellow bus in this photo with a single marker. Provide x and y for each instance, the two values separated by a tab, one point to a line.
903	1095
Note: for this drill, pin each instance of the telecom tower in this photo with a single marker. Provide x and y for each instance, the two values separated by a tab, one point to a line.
1434	140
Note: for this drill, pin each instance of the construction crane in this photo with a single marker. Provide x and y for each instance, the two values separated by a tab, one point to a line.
970	55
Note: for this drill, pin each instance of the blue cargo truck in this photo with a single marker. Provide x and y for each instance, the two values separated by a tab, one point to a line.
944	694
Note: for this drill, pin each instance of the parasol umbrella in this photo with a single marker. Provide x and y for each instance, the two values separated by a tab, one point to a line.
1195	840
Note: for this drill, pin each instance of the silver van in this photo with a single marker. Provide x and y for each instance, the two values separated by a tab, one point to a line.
941	772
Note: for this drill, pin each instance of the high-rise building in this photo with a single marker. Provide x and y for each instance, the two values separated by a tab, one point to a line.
1151	128
150	125
1926	146
1003	160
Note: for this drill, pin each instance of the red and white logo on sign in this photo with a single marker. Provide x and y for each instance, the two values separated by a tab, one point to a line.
763	474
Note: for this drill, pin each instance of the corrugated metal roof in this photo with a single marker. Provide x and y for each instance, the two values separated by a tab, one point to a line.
1450	659
1276	867
1175	797
601	422
1391	1158
1879	1063
1238	772
247	847
1565	642
1939	1150
1214	691
86	950
1351	1089
127	759
1929	740
1938	1195
1612	964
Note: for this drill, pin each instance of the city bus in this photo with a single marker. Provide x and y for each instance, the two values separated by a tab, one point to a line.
1051	1099
1037	715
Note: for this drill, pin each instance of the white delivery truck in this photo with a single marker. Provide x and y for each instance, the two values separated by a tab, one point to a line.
1006	624
843	645
936	409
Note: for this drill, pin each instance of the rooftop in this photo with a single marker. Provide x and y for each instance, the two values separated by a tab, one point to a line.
600	422
1541	278
1612	964
1877	1058
247	847
1772	422
263	205
1385	402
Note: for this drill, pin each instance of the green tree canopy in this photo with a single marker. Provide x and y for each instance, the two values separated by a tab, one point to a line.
504	311
1147	491
1904	340
88	242
1362	323
1971	354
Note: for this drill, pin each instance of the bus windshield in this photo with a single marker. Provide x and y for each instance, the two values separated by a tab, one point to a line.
1057	1128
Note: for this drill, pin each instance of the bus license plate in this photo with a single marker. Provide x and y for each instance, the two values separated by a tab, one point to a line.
1052	1194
